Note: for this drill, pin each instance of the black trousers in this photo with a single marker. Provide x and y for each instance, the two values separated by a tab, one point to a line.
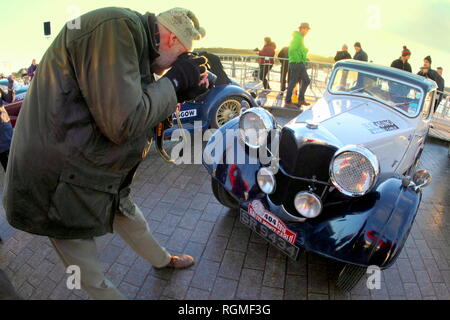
4	159
284	74
298	74
263	73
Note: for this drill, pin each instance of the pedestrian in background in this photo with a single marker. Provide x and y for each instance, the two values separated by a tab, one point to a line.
402	62
297	67
32	69
6	129
427	72
283	55
266	61
360	54
441	84
343	54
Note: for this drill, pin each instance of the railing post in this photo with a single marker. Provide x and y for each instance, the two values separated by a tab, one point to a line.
233	68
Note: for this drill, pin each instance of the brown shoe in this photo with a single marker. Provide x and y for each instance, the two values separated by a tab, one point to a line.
304	103
292	105
180	262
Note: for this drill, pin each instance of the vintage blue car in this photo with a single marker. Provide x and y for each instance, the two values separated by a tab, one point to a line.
225	100
339	180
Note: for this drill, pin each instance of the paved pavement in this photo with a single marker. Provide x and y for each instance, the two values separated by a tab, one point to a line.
232	263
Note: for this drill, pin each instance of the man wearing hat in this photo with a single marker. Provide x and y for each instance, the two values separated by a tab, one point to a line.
431	74
85	126
297	67
360	54
402	62
343	54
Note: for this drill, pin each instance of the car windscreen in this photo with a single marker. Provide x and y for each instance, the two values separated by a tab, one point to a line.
401	96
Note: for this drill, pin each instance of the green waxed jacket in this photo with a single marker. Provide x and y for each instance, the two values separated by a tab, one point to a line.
85	125
297	49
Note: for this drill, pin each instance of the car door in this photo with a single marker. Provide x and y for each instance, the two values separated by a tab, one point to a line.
420	133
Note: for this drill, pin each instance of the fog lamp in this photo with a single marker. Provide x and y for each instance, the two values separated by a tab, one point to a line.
266	180
308	204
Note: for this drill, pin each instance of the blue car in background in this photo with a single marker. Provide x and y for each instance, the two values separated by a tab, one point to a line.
223	102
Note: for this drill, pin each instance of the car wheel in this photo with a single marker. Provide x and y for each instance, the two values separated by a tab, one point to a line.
349	277
227	110
223	196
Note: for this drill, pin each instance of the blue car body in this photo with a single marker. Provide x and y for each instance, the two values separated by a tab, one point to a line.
204	108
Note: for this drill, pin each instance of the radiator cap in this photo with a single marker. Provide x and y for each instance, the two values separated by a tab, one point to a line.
310	124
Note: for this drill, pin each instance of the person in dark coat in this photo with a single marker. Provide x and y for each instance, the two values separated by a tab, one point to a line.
32	69
427	72
6	129
402	62
441	84
343	54
360	54
266	61
87	124
284	60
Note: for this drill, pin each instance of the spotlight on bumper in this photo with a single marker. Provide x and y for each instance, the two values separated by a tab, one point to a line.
266	180
308	204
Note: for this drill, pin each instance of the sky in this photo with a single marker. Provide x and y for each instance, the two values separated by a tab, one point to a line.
382	26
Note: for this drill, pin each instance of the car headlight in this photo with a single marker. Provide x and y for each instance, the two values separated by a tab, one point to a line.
266	180
255	124
354	170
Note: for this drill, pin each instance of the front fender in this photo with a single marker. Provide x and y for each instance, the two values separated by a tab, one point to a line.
371	230
228	161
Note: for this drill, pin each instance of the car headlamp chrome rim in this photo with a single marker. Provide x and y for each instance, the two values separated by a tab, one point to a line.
266	180
354	170
255	124
308	204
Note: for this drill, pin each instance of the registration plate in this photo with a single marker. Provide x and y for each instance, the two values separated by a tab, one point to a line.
270	234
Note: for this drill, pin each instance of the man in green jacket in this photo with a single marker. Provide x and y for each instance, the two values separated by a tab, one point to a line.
297	68
85	125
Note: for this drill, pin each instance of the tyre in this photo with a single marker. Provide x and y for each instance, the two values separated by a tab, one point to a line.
223	196
228	109
349	277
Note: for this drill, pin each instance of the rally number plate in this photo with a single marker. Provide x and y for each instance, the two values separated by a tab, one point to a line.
269	235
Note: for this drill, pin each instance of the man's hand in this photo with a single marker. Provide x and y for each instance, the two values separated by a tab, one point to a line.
187	95
187	76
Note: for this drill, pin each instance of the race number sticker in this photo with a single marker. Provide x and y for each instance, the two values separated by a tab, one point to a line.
256	210
381	126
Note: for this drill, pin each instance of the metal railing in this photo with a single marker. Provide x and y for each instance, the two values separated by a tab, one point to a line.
246	71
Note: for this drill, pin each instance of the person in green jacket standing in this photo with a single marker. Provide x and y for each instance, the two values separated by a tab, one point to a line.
297	67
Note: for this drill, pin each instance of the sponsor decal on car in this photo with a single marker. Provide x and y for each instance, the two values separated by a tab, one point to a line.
381	126
187	114
256	210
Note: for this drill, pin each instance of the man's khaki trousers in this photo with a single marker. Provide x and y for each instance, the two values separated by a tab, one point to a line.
83	253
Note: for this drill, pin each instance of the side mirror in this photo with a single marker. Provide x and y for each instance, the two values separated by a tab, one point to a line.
421	179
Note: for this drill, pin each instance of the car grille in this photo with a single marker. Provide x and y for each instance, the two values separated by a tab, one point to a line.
306	159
